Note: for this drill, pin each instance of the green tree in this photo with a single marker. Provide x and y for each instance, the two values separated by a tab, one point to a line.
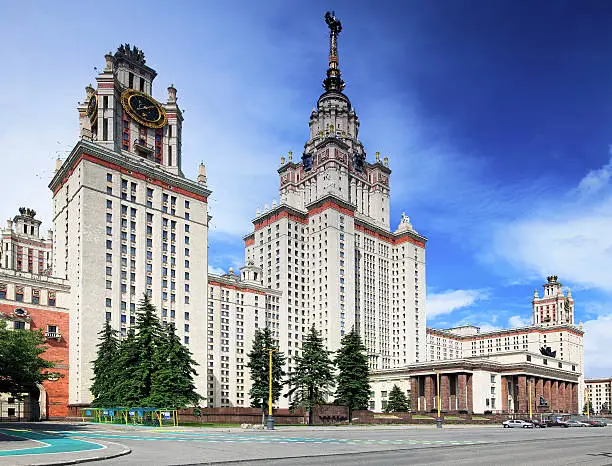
259	366
590	407
21	365
172	384
106	372
398	401
353	383
128	390
136	357
312	381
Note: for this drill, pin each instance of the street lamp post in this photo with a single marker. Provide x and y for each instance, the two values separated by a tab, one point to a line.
439	418
586	392
270	417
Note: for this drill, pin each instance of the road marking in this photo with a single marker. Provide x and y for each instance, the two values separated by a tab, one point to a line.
49	443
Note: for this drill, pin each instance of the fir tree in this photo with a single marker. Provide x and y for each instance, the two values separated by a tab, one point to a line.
398	401
259	365
136	357
128	391
353	384
172	384
106	371
312	381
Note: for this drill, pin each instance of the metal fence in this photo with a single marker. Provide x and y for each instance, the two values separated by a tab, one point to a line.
18	410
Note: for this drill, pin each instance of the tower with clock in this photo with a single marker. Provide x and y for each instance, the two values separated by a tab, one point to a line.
122	114
128	222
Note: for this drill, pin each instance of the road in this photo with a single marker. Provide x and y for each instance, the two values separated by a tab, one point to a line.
341	446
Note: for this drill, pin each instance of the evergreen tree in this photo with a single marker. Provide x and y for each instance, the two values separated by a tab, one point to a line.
136	357
21	366
398	401
128	391
172	383
106	372
353	383
259	365
312	381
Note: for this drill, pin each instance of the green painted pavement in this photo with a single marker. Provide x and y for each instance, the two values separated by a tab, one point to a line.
50	443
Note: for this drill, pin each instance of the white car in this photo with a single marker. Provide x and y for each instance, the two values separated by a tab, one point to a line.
517	423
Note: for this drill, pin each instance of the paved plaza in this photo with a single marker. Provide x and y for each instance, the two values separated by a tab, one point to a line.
56	443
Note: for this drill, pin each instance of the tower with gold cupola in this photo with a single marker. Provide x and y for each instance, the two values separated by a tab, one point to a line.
127	221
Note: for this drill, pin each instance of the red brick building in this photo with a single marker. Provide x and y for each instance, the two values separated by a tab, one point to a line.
31	301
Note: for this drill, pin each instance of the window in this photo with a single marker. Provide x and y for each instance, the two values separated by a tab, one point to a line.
109	177
492	378
19	325
108	302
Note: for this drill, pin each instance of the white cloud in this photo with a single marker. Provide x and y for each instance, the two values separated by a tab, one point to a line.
216	270
569	236
452	300
595	180
596	340
487	327
518	321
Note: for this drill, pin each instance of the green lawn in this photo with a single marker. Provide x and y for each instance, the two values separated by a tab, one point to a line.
420	416
478	418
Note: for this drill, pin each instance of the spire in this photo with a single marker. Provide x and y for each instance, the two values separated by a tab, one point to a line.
333	81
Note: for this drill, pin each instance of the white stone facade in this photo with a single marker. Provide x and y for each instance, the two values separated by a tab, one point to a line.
599	392
127	222
237	306
22	248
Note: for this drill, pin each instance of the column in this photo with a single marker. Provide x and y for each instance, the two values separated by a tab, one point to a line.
470	394
522	394
428	393
561	400
444	392
414	394
554	396
539	391
504	394
547	393
462	392
575	398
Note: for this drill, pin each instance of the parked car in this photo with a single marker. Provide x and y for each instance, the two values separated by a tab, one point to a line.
517	423
536	423
574	423
605	422
556	423
595	423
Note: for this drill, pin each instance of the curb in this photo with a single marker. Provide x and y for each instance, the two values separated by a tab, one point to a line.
125	451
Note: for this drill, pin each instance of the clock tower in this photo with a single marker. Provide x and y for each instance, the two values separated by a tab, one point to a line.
122	114
128	223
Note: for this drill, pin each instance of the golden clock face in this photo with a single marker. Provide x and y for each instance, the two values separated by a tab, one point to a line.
92	108
143	108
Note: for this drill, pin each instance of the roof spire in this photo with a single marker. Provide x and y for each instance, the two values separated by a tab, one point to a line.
333	81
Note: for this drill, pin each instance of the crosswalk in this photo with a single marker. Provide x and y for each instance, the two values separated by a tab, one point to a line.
258	439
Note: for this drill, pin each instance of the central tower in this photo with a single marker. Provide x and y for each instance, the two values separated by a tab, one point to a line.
328	245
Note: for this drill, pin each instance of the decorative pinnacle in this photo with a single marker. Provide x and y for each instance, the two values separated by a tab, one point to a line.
333	81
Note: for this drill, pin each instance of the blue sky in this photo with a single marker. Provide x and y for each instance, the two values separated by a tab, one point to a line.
496	117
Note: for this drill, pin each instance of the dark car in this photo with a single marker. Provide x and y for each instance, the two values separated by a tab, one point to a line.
538	424
556	423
